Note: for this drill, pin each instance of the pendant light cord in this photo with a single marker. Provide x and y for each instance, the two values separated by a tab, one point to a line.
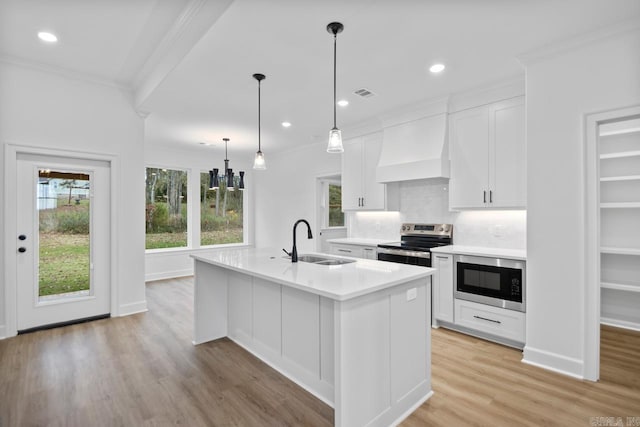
335	43
259	145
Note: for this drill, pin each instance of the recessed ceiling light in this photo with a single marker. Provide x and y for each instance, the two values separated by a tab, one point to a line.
436	68
47	37
286	124
343	103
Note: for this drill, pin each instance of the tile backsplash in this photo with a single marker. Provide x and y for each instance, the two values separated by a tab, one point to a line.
427	200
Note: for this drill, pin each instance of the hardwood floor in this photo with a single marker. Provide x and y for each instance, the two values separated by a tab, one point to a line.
143	370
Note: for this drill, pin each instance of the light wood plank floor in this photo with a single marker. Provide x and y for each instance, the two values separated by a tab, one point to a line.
143	370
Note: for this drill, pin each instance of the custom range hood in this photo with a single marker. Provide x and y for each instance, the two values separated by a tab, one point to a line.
414	145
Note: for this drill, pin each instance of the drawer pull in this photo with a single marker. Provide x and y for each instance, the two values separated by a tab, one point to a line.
344	250
442	257
488	320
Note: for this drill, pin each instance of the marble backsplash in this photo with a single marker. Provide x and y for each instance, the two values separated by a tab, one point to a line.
428	201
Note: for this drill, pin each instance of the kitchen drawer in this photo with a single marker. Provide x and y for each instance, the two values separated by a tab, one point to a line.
492	320
346	250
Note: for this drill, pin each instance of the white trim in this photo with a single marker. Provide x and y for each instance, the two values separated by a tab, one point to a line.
64	72
132	308
573	43
2	332
412	409
553	362
168	275
593	250
10	196
624	324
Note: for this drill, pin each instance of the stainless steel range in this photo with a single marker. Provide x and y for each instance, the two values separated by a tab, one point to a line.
416	241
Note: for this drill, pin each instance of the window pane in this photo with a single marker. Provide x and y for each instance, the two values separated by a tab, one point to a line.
64	227
336	217
166	208
220	214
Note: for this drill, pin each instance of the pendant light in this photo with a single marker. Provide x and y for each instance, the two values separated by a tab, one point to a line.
258	162
335	136
228	178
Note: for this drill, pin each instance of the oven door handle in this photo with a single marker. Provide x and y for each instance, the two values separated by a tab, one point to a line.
401	252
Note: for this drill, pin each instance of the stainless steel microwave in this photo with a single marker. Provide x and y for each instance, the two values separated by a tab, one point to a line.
493	281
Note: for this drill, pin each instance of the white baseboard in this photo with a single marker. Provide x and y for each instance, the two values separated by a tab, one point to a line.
168	275
3	333
620	323
553	362
133	308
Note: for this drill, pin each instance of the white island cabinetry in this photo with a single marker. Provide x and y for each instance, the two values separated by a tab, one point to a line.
356	335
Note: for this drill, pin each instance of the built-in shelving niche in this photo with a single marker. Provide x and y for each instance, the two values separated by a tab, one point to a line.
619	149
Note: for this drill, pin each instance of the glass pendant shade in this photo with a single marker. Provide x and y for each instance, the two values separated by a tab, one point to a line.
335	141
258	162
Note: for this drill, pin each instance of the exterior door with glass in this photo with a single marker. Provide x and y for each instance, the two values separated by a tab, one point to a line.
63	240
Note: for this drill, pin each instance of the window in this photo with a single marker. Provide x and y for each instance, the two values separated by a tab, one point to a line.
221	214
336	216
166	208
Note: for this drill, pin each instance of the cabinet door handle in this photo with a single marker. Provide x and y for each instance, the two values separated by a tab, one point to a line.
490	196
488	320
484	196
363	201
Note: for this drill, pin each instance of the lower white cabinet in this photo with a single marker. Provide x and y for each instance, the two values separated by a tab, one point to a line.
496	321
442	287
356	251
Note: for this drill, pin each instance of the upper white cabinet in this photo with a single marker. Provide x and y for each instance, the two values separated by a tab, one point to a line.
360	191
487	147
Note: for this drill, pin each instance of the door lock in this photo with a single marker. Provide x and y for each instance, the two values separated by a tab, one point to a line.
22	249
22	237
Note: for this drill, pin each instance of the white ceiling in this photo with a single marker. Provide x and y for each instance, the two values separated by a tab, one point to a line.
203	90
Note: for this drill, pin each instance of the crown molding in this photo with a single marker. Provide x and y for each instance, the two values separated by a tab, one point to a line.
63	72
488	93
573	43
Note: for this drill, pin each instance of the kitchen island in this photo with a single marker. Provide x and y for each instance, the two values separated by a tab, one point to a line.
355	335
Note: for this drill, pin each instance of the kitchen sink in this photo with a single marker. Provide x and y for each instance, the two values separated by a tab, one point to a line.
320	260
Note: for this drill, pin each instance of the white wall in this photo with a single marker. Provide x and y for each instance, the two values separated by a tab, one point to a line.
48	110
561	89
167	263
286	192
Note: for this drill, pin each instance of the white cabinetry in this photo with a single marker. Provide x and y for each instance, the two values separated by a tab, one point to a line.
360	191
356	251
443	287
488	151
619	150
496	321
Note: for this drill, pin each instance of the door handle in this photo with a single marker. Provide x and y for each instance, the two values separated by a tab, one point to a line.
484	196
490	196
22	249
22	237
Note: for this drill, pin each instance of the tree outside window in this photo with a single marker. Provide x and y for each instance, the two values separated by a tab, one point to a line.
166	208
221	214
336	216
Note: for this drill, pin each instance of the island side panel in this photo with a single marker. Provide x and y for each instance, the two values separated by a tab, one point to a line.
373	384
209	303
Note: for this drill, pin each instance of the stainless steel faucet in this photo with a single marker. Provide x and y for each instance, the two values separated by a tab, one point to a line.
294	251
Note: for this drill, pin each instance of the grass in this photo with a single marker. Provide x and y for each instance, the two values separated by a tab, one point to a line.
64	263
179	240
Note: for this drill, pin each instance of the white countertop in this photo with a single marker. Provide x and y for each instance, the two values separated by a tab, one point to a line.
339	282
519	254
360	241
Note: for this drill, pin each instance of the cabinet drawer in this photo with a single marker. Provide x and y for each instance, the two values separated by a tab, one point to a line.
346	250
493	320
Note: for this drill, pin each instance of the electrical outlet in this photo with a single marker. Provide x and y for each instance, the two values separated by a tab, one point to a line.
412	294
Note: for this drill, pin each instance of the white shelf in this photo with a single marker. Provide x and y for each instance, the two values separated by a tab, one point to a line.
620	205
620	286
620	178
620	155
619	251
